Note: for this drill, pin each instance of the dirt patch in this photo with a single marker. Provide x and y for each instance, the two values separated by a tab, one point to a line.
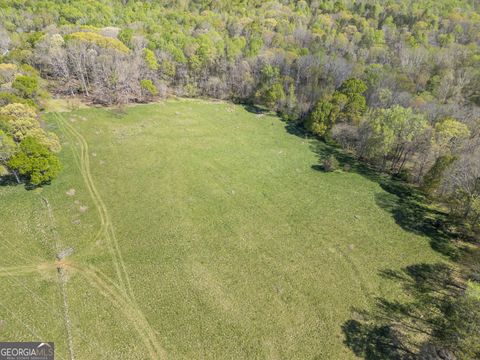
64	253
71	192
83	208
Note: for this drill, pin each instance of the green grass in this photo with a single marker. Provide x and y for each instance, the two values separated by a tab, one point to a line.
233	245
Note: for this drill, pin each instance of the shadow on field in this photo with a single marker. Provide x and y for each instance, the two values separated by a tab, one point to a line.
410	210
400	330
406	329
324	150
9	180
408	206
254	109
296	130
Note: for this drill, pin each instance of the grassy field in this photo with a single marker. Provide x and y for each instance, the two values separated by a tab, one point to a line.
200	231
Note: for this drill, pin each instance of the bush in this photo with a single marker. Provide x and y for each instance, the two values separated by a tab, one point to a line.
27	86
331	163
150	59
149	87
190	90
9	98
403	175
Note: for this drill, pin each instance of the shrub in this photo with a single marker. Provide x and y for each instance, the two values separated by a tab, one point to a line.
27	86
7	72
271	96
331	163
125	36
403	175
9	98
190	90
149	87
150	59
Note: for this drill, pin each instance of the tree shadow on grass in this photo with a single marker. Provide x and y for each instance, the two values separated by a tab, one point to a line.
324	150
374	342
410	209
429	323
404	330
254	109
10	180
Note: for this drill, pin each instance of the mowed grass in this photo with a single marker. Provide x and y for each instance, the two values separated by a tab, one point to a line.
233	245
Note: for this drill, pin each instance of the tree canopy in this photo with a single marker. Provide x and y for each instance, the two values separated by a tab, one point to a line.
35	162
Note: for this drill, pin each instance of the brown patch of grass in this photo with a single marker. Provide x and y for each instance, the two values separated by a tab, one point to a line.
71	192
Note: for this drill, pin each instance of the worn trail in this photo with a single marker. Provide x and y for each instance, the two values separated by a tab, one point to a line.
106	227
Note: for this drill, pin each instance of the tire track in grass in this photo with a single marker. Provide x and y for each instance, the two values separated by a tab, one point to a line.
82	161
13	272
18	270
62	280
120	295
31	328
106	225
66	313
124	304
53	310
109	231
10	245
356	273
41	266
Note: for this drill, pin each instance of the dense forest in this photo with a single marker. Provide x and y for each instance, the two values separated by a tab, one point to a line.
396	83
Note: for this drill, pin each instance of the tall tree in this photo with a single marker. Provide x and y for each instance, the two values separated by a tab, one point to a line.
34	161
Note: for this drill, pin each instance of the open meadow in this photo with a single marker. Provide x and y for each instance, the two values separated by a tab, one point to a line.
200	230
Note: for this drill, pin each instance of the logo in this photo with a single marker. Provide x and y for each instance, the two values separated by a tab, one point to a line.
27	351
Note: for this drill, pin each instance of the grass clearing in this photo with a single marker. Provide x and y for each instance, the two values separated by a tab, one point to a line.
200	230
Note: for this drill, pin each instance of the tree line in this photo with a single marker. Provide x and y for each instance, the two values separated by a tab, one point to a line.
27	150
395	83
